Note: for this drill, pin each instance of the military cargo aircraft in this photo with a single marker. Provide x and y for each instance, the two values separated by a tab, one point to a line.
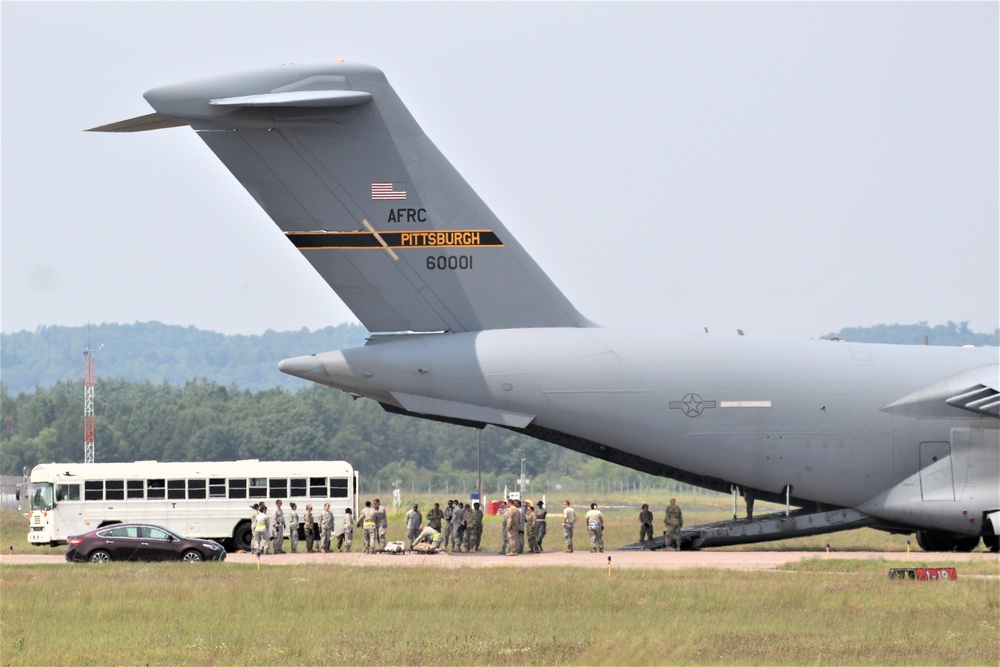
467	328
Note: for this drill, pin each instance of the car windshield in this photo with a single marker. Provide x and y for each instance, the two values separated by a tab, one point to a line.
41	496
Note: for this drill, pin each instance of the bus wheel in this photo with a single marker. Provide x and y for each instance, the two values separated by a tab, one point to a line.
100	556
243	537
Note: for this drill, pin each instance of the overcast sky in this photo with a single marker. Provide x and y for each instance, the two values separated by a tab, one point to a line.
787	169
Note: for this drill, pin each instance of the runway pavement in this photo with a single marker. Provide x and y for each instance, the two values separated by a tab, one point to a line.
661	560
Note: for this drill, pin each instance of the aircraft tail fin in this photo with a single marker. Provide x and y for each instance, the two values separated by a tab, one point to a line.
336	160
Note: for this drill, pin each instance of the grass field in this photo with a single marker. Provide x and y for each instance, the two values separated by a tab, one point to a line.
224	614
815	612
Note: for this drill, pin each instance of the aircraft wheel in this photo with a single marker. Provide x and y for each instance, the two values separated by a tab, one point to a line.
966	544
992	542
933	540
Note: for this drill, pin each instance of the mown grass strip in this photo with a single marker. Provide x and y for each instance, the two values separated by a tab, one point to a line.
224	614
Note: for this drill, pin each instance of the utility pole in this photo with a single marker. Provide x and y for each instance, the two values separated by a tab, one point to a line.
88	405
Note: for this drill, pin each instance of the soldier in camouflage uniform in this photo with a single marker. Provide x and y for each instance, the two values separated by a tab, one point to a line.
469	538
428	540
381	523
504	545
367	522
434	516
413	522
595	527
569	520
307	526
325	528
530	527
645	524
513	528
261	534
457	526
293	527
346	538
540	523
448	514
673	520
278	527
478	525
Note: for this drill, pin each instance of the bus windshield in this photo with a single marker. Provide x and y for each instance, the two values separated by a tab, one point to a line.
41	496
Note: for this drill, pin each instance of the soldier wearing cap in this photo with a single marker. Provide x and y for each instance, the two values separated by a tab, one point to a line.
645	523
540	526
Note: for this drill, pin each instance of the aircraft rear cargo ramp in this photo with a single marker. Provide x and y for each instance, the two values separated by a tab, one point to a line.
766	528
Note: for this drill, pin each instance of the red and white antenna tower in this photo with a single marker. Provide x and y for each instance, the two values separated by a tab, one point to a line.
88	404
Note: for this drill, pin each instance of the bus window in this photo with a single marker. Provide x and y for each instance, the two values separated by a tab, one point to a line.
133	489
338	487
237	488
299	488
258	487
67	492
317	487
196	489
175	489
156	489
114	489
93	490
217	487
277	488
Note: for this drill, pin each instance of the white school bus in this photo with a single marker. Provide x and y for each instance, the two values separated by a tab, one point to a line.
207	500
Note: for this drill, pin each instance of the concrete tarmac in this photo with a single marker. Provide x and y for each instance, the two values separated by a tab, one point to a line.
658	560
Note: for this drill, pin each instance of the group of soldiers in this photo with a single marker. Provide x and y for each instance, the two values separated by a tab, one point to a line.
522	520
673	521
458	527
269	528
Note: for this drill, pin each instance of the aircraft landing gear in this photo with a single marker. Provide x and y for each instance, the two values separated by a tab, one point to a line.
932	540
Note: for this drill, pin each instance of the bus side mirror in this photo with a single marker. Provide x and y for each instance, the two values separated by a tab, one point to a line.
17	494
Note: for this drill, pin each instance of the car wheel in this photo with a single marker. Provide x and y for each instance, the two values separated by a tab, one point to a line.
191	556
100	556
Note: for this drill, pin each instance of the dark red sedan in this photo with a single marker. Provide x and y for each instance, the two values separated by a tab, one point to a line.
140	541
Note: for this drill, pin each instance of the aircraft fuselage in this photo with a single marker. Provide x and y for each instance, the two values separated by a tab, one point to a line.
756	413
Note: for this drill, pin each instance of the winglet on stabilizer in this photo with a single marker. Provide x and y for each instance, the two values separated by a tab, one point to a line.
153	121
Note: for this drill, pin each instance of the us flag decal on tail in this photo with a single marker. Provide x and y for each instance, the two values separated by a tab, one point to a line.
384	191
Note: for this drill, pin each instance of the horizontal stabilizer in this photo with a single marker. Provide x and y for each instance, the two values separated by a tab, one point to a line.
424	405
298	98
153	121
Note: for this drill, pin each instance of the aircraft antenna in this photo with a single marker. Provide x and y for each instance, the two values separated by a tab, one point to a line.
88	403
